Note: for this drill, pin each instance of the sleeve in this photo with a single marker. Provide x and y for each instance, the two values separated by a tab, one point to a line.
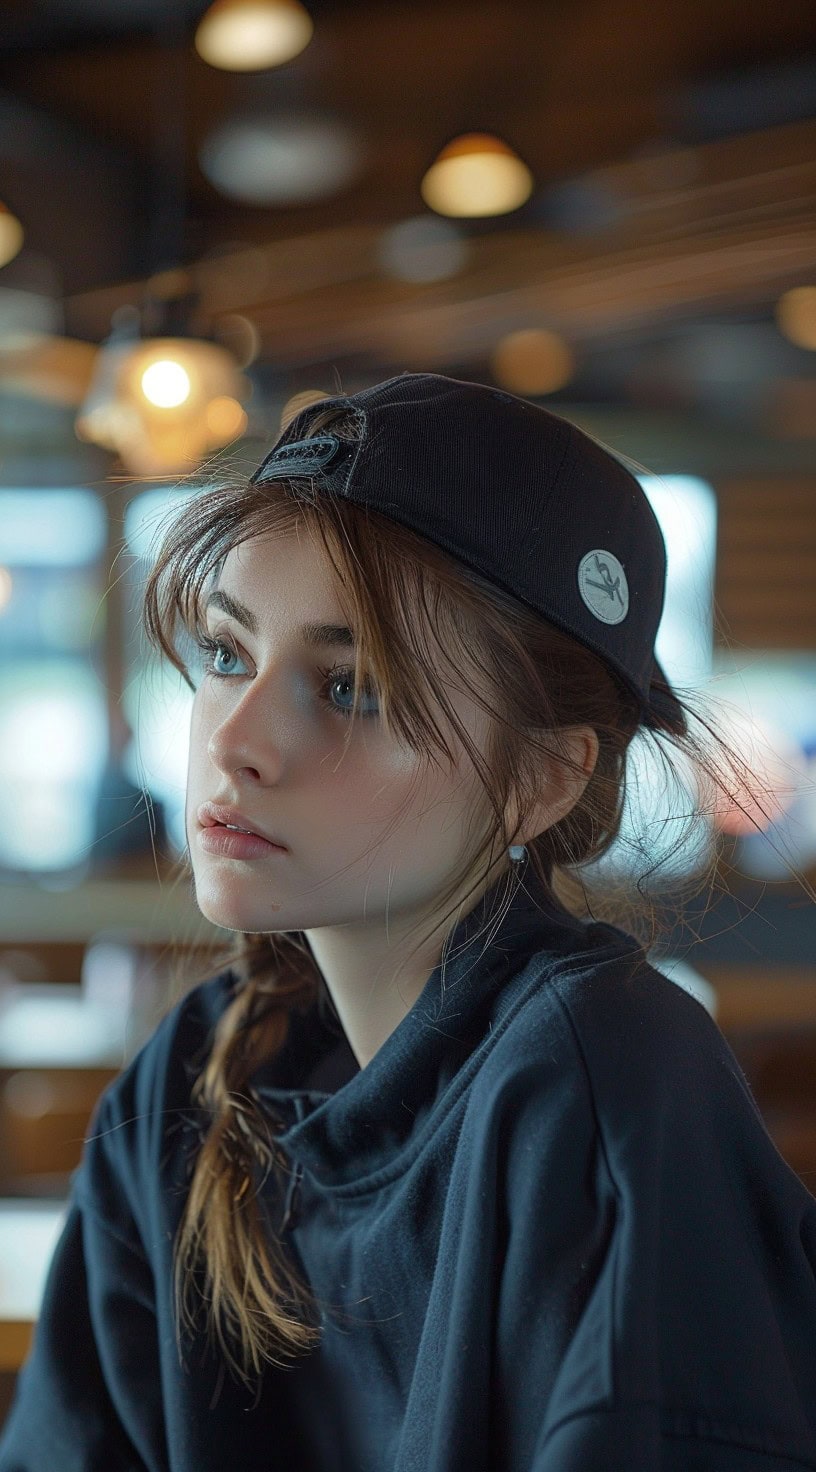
87	1398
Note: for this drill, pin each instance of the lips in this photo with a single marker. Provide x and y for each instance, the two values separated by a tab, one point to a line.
214	815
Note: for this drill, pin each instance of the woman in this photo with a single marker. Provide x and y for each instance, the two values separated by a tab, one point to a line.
436	1172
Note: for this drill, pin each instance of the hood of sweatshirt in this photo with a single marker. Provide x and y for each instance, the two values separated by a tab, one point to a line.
346	1123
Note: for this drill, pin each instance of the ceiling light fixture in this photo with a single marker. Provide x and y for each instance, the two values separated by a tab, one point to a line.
266	160
162	402
423	248
251	35
796	316
476	174
11	235
163	394
532	361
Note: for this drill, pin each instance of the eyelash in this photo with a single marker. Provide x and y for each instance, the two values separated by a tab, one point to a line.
210	647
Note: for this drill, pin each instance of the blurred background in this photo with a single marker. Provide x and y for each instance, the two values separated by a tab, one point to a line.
606	206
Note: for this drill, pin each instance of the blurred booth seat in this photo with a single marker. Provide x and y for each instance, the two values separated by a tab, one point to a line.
768	1015
780	1063
29	1230
60	1045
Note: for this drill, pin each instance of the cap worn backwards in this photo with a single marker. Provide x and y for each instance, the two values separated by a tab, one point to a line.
517	493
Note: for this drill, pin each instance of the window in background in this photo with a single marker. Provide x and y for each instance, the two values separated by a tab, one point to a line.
773	695
156	701
53	725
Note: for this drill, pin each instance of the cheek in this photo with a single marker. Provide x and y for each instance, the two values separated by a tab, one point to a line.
363	789
434	803
360	797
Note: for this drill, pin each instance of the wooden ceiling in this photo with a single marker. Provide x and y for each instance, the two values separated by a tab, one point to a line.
684	113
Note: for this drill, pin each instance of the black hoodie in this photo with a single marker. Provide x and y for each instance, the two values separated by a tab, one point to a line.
546	1224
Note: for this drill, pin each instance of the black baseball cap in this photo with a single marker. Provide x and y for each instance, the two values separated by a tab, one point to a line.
519	494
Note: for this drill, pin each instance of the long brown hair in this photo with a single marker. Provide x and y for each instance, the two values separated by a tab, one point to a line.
407	600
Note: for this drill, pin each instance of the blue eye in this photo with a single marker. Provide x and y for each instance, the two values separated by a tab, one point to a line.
338	675
210	648
343	675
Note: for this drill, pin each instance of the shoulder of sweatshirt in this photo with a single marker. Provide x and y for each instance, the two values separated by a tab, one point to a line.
605	1020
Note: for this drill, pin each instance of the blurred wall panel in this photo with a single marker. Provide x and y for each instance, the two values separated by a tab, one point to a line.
766	562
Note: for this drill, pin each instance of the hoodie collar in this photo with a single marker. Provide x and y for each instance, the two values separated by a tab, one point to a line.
344	1136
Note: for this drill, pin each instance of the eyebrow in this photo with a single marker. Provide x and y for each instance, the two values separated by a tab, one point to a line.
315	635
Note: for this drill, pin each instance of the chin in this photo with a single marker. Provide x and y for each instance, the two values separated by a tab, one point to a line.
223	905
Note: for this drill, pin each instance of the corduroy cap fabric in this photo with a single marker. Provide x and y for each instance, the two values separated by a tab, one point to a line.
517	493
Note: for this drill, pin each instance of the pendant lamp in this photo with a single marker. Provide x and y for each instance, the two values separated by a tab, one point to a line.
163	396
252	35
162	402
474	175
11	235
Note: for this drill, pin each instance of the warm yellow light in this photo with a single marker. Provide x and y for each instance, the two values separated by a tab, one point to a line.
476	174
11	235
226	419
248	35
533	361
166	384
55	369
796	315
155	436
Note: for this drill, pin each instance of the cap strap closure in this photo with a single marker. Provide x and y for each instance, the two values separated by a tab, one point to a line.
301	457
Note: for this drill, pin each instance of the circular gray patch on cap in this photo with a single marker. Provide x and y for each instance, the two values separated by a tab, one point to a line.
603	586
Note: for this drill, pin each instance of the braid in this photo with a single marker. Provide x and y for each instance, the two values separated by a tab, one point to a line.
247	1273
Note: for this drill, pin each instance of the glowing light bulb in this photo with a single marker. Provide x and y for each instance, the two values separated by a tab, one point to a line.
226	419
166	384
250	35
796	315
11	235
533	361
476	174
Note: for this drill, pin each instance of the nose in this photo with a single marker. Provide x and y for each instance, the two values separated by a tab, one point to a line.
244	738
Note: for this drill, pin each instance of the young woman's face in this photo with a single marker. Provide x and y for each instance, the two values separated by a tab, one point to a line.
267	738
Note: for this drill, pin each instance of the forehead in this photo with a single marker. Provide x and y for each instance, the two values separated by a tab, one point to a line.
269	587
279	572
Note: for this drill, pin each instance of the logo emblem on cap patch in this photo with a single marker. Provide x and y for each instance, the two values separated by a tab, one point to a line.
603	586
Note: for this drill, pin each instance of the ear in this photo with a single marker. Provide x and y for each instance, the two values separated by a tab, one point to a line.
563	786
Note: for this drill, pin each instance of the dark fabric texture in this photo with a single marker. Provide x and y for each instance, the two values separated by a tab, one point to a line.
546	1224
437	455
